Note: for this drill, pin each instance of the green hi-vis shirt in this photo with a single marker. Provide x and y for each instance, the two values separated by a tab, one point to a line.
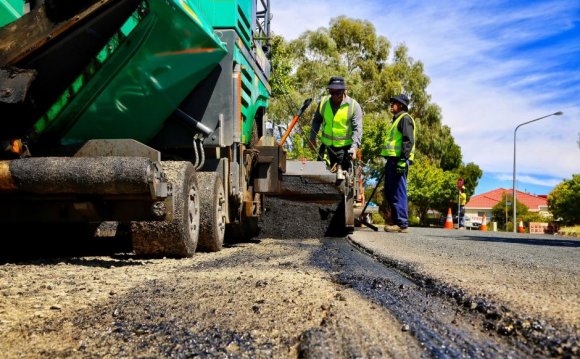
342	125
400	141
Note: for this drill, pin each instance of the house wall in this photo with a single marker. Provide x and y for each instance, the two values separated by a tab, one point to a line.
478	212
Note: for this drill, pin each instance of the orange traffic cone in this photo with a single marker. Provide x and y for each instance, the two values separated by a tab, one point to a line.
448	220
521	227
483	223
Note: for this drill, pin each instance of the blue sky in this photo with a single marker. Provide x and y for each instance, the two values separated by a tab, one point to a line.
493	65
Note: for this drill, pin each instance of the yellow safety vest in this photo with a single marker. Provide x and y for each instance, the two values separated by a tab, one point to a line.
393	145
336	128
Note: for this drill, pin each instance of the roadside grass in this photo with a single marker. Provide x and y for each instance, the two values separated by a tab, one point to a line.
573	231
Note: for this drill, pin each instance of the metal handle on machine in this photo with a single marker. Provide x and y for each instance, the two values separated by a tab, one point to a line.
295	119
193	122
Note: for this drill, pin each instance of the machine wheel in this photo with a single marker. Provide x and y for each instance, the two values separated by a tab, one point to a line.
177	237
213	215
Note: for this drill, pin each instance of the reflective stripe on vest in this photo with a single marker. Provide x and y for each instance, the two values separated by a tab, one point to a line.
393	145
336	128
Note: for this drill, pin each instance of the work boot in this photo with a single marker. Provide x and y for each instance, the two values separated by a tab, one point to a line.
396	229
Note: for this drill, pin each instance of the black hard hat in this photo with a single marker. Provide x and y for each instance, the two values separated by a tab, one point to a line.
336	83
402	99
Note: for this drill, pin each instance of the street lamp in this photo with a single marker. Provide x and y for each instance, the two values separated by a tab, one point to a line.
514	179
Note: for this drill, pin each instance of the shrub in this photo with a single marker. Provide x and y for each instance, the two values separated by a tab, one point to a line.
414	221
378	218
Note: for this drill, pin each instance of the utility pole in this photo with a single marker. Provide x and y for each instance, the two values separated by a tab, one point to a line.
559	113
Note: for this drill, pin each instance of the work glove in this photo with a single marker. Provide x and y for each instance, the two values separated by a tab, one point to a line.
401	166
352	154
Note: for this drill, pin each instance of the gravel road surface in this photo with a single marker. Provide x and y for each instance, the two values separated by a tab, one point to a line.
427	293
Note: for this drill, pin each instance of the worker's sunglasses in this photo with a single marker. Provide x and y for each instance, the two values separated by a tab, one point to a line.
335	92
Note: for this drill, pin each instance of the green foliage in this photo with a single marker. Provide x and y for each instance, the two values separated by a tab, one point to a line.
280	80
564	201
509	228
374	71
572	231
500	213
377	219
414	221
534	217
375	128
448	195
451	156
377	197
426	183
470	173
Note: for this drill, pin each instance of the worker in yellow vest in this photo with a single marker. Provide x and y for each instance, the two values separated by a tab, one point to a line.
399	151
462	202
340	118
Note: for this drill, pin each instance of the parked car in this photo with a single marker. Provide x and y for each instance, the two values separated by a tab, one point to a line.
472	222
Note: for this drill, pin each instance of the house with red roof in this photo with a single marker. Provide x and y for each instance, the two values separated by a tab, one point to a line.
483	203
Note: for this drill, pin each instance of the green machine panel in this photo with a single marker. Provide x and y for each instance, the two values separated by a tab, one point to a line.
10	10
230	14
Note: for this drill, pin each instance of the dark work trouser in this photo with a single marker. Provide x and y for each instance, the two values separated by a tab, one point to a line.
396	192
339	155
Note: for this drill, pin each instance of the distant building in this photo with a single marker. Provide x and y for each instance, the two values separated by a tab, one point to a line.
483	203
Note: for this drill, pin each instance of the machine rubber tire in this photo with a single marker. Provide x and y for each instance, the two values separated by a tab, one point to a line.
213	216
177	237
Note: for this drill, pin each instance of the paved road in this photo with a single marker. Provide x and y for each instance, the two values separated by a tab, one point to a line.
532	276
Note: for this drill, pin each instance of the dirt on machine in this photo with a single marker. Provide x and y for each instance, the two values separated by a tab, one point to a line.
151	115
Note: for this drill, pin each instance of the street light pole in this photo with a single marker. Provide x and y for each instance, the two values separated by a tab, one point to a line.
514	171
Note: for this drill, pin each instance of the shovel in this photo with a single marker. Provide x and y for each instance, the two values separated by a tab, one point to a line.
295	119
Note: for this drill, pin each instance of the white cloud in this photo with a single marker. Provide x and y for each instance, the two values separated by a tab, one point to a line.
529	179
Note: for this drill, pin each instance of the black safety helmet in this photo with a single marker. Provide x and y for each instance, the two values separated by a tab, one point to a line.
336	83
402	99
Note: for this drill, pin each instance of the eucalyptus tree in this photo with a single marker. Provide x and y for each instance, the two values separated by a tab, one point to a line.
564	201
374	70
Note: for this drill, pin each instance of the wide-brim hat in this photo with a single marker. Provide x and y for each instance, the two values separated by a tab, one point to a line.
336	83
402	99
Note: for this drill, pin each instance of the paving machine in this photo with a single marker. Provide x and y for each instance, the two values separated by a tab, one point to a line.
339	194
145	113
